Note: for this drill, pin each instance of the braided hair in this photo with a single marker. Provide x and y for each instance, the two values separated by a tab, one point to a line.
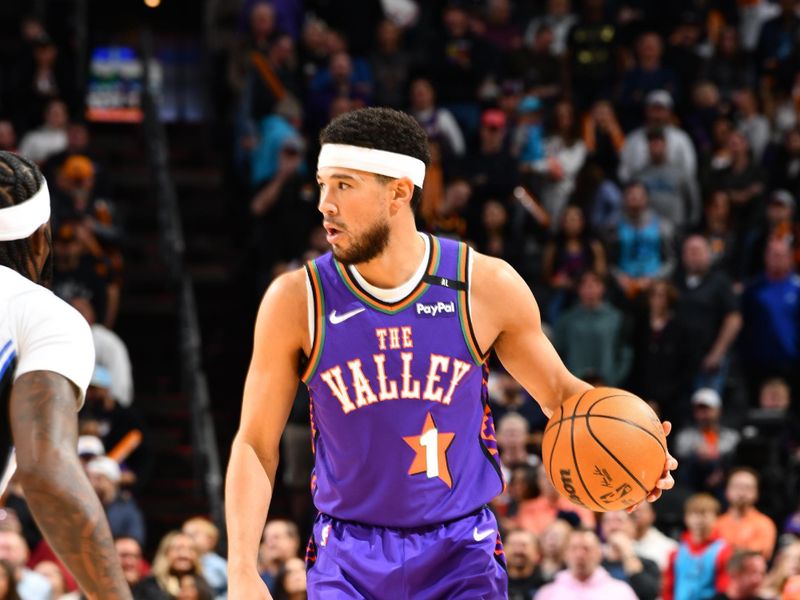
20	179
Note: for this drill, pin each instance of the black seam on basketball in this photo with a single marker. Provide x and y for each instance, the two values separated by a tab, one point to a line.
553	447
616	460
624	420
575	458
549	425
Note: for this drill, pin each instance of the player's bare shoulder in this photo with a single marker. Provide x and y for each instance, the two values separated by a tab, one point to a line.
499	298
284	310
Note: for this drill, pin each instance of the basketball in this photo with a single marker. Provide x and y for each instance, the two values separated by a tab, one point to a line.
604	449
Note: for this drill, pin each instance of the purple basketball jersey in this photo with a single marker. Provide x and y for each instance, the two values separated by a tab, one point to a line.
402	432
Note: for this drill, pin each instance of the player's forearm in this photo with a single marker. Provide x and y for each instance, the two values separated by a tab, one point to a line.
66	508
73	521
248	492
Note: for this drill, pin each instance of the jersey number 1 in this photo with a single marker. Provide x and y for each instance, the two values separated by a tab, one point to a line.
430	441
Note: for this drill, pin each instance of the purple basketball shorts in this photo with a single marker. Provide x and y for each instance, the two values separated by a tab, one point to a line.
458	560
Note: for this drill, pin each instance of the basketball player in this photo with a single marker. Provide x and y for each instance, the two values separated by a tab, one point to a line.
46	362
390	332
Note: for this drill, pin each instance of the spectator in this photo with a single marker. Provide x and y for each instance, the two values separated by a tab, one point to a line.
744	181
537	66
110	353
279	130
729	68
281	542
686	50
599	197
622	561
771	309
538	514
650	542
516	507
751	123
658	362
743	526
460	62
51	138
30	584
205	536
444	216
124	516
390	65
58	584
584	578
121	429
8	136
559	18
591	336
522	557
512	441
705	448
499	28
491	169
780	225
175	559
552	549
680	152
194	587
590	59
775	51
705	110
697	568
438	123
47	78
785	168
291	581
747	570
133	565
641	247
8	583
528	137
564	155
648	75
571	253
673	194
785	567
708	316
718	232
603	136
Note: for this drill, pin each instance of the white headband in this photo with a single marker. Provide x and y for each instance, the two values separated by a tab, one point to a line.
391	164
21	220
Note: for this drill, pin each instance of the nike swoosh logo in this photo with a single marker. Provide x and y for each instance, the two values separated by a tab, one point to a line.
479	536
336	319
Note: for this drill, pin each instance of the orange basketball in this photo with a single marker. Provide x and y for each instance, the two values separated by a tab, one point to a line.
604	449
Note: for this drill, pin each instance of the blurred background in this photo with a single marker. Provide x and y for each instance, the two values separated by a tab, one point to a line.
638	162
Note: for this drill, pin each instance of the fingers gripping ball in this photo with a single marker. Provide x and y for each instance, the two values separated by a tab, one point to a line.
604	449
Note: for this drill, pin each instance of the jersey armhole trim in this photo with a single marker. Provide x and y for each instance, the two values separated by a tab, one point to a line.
464	312
318	334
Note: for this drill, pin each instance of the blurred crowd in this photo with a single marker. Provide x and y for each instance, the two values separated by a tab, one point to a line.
638	162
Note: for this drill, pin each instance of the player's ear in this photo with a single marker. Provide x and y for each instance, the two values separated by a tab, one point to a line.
401	192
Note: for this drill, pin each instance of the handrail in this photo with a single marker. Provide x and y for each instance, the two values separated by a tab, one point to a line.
193	378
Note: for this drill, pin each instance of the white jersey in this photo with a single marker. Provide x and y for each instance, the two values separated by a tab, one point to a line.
38	332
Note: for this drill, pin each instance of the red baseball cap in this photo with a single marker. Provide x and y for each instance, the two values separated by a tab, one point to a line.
493	117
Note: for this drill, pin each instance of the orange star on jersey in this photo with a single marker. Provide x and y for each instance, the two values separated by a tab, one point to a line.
431	447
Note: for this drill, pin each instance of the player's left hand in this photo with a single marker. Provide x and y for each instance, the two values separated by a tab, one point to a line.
666	481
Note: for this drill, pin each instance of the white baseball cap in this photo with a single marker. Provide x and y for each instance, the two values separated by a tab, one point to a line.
707	397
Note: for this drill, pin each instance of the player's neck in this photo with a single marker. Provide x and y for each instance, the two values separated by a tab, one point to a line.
398	262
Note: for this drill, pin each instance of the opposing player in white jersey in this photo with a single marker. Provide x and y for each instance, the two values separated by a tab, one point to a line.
46	362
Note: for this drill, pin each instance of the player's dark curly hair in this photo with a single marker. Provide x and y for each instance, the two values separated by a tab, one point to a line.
20	179
381	129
